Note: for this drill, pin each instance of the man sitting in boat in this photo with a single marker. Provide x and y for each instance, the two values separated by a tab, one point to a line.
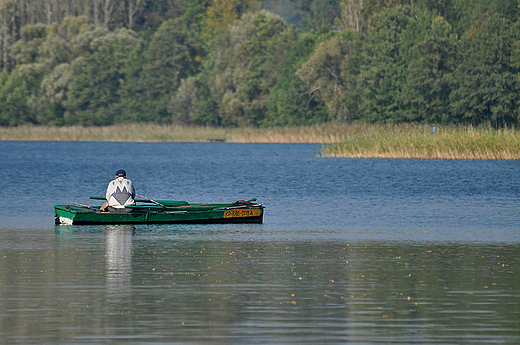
120	193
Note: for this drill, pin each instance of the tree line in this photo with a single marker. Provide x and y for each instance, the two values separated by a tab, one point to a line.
259	63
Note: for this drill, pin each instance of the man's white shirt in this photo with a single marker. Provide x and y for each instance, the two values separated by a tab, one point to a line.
120	193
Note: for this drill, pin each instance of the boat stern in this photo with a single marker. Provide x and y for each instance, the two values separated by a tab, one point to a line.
65	214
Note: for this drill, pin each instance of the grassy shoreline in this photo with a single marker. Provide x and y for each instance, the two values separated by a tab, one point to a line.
418	142
320	134
338	140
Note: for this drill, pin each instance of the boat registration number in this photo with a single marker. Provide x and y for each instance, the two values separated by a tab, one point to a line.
242	213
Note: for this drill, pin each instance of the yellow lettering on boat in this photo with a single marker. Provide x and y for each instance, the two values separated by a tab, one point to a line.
242	213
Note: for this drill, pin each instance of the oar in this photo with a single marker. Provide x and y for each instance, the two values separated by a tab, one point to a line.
155	202
89	207
103	198
166	203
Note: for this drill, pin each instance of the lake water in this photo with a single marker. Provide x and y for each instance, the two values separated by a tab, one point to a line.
351	251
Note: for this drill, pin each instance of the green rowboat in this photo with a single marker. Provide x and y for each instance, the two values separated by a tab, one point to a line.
163	212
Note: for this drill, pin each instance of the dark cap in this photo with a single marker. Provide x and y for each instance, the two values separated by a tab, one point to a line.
120	173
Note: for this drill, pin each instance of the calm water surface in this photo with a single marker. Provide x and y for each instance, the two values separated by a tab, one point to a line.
351	251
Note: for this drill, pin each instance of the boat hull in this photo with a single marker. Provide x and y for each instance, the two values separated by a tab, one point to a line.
192	214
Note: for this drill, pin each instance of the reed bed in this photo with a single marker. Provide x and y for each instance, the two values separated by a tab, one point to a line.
328	133
317	134
339	140
115	133
418	142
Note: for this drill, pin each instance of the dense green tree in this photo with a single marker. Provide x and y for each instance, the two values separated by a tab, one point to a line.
485	82
133	103
223	62
323	73
49	107
41	50
465	13
30	54
182	106
193	11
222	13
425	96
240	73
205	106
93	98
218	17
258	43
155	73
359	15
388	50
291	102
47	56
13	98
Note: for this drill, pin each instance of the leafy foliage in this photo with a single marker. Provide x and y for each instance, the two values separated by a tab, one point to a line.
486	85
240	73
13	97
229	63
291	103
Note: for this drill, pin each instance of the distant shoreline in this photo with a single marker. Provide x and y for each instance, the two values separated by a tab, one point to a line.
319	134
412	141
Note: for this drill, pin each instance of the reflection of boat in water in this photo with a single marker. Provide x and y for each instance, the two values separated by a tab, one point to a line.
163	212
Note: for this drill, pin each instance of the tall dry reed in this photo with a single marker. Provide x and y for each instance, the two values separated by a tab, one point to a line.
340	140
328	133
415	141
115	133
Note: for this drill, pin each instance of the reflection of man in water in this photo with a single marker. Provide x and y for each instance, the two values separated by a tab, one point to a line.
120	193
119	261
